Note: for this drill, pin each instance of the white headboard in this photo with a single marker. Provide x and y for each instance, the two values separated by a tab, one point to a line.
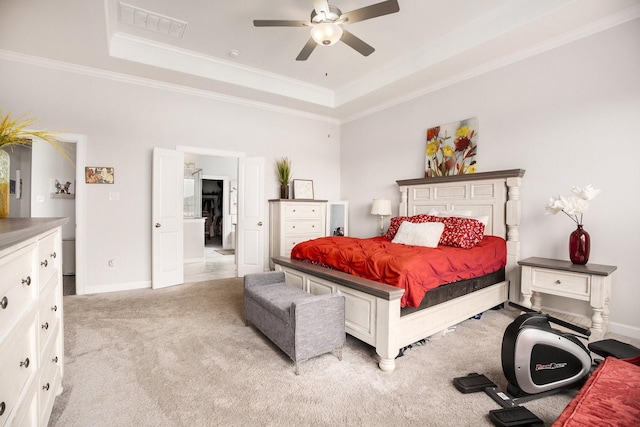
496	194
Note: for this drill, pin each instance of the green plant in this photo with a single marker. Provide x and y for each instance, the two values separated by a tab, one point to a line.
283	170
15	132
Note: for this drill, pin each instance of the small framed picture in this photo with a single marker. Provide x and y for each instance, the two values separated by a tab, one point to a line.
98	175
303	189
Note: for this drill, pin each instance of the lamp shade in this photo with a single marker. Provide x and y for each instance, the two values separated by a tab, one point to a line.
326	33
381	207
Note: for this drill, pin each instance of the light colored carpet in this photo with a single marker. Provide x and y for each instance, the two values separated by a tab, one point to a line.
182	356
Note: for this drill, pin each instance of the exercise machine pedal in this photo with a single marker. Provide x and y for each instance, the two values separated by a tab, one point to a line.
515	416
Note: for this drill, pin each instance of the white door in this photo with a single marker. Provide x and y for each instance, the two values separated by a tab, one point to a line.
166	212
251	220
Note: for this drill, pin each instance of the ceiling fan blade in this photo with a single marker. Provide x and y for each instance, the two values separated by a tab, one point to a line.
306	50
356	43
373	11
278	23
321	6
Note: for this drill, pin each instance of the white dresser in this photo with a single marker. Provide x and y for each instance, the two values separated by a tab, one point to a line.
31	326
292	222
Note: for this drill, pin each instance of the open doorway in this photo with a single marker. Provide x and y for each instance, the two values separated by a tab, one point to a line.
49	186
209	227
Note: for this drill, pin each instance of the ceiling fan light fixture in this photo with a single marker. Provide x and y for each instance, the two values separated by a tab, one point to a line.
326	33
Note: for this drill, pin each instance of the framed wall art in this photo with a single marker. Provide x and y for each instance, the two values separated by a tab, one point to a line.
303	189
452	148
99	175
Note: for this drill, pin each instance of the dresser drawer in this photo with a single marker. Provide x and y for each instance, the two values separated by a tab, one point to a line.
17	285
26	414
18	362
561	283
50	378
303	227
48	257
49	312
303	210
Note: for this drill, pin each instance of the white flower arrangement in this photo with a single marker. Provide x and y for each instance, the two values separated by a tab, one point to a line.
572	206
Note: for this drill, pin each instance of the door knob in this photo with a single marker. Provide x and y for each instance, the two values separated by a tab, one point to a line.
158	225
260	223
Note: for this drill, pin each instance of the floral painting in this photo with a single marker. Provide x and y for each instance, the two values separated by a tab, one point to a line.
98	175
452	148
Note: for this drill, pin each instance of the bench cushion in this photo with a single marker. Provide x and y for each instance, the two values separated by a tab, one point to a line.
277	298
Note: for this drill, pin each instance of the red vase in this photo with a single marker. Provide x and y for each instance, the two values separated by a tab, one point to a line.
579	246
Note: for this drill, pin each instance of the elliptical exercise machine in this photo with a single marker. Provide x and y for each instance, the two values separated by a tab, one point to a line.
538	361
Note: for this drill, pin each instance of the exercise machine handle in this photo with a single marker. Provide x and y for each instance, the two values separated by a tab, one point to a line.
563	323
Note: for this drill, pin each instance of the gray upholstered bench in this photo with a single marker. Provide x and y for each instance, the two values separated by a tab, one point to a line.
301	324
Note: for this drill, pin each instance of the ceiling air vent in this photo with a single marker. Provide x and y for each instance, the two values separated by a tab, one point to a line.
151	21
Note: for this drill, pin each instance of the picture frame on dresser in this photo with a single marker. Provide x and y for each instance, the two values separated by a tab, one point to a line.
303	189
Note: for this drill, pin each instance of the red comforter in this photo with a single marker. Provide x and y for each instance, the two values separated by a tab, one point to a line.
415	269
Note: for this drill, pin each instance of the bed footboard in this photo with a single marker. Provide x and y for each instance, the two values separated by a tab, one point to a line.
372	309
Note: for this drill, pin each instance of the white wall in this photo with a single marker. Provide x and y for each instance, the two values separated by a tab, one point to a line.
569	117
124	121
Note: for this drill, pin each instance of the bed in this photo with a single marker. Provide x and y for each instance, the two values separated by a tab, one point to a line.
373	309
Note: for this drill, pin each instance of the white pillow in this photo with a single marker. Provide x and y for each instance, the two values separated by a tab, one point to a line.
419	234
484	219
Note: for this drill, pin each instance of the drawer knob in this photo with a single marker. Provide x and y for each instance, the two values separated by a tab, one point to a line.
558	282
55	359
25	363
45	325
293	226
46	387
54	308
4	302
27	281
53	255
44	263
3	406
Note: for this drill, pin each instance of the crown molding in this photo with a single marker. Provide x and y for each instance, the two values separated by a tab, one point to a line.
572	36
141	50
155	84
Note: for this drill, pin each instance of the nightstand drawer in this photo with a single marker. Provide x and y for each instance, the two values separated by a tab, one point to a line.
562	284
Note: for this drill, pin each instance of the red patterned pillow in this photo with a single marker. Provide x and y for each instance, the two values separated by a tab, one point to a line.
458	232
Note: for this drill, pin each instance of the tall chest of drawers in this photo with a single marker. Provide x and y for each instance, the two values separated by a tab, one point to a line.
31	326
292	222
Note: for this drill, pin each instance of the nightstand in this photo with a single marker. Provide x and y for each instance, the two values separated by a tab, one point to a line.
590	282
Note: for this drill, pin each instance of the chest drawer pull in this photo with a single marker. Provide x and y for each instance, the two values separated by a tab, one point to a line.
45	387
53	255
44	263
54	308
558	282
4	302
3	406
54	360
27	281
25	363
45	325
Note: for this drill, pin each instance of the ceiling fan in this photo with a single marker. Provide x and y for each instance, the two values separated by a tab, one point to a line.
326	25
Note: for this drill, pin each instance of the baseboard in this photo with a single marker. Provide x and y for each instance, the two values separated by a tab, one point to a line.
626	330
116	287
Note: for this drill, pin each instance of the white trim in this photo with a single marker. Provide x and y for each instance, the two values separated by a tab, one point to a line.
145	51
209	151
156	84
117	287
582	32
626	330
